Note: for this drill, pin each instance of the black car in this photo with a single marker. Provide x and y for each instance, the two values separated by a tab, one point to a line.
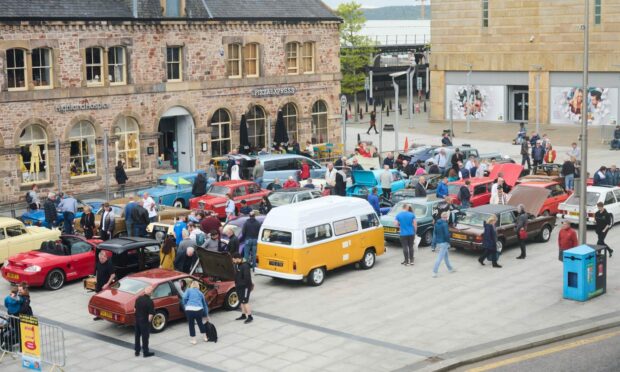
132	254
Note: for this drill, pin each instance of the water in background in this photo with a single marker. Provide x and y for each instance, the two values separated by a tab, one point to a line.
399	32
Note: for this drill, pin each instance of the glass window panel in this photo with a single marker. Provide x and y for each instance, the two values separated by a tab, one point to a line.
128	144
289	111
173	62
220	133
82	157
173	8
16	68
292	61
116	65
94	65
33	155
256	127
319	122
234	60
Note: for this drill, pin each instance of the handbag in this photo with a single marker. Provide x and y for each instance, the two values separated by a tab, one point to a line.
522	233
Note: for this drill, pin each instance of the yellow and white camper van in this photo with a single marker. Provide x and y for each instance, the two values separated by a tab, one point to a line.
306	239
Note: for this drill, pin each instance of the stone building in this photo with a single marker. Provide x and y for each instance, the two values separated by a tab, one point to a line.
509	45
167	80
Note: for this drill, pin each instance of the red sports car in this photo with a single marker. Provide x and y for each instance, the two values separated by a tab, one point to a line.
215	273
215	198
70	258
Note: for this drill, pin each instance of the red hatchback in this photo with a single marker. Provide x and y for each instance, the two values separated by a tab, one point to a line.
70	258
215	274
215	198
556	195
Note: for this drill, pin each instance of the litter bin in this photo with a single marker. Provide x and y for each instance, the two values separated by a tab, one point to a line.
601	270
579	269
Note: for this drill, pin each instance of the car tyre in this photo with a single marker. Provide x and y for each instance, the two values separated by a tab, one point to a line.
500	246
160	321
368	260
545	234
55	279
316	276
178	203
427	239
231	301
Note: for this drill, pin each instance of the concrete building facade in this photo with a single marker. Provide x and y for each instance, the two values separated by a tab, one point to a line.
167	82
508	46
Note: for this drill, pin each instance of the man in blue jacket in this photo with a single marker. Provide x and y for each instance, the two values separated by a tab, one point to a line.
373	199
441	239
128	219
442	189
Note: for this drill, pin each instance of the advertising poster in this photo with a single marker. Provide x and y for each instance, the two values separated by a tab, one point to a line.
566	104
486	102
30	341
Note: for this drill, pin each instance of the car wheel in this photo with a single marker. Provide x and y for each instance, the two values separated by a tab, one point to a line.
500	246
611	217
160	235
545	233
427	239
178	203
231	302
316	277
546	213
368	261
159	322
55	279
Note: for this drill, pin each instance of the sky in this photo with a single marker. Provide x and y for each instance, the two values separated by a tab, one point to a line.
374	3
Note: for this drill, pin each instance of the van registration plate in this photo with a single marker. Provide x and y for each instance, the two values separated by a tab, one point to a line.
276	263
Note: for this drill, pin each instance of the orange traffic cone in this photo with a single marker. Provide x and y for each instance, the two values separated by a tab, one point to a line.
406	144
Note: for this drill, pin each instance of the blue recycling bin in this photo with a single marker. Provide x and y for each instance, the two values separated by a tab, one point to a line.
579	273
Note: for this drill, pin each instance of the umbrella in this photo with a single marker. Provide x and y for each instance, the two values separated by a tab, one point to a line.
281	136
244	140
170	182
183	181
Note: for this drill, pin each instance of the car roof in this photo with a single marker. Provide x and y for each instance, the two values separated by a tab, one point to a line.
492	208
5	221
474	181
181	174
281	156
602	188
538	183
291	189
153	276
120	245
232	183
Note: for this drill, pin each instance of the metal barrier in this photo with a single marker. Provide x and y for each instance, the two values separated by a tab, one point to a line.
52	342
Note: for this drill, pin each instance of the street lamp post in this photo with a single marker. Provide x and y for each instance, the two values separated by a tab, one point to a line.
467	112
538	69
394	76
583	177
106	164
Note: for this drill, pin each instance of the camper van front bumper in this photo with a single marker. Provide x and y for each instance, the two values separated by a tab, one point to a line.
277	274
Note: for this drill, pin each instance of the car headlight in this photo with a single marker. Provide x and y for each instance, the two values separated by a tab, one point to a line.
6	263
33	269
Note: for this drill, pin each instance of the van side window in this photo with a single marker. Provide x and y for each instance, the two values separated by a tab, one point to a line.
369	220
346	226
277	236
321	232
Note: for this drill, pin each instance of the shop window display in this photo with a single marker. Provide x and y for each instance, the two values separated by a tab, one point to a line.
82	158
33	155
128	144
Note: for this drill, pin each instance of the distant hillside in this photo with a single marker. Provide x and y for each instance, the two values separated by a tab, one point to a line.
391	13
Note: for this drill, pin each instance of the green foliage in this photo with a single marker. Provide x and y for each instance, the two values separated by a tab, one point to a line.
355	49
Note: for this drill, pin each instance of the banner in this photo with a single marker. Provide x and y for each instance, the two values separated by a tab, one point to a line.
486	102
30	342
567	102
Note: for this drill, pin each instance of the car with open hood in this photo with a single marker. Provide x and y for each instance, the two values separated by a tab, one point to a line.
423	209
216	196
467	232
214	272
608	195
419	153
16	238
481	187
174	189
69	258
364	181
556	195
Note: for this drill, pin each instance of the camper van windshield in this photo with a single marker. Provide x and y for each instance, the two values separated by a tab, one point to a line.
277	236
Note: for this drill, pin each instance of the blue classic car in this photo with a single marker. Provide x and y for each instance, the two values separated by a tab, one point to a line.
37	218
364	181
423	210
174	189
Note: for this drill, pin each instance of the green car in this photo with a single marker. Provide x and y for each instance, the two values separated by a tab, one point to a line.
423	210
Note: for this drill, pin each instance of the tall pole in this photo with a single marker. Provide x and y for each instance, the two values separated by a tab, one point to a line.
106	164
268	134
409	91
58	165
469	89
583	177
370	74
395	114
538	101
410	78
343	105
451	121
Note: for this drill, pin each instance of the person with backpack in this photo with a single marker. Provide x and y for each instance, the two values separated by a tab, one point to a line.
196	309
464	194
196	235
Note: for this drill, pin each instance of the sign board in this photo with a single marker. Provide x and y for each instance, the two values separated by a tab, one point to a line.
273	92
343	100
419	83
30	342
81	107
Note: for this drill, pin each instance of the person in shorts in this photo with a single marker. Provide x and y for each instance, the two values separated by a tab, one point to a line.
243	285
407	224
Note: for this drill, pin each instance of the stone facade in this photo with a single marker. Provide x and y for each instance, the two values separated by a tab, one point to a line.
520	35
147	95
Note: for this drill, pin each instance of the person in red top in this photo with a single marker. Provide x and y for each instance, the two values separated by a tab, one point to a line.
362	150
305	170
290	183
567	238
550	154
210	223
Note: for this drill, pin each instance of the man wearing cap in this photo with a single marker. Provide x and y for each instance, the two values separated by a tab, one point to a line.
250	231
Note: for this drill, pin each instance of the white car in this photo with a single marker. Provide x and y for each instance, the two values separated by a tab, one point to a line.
610	196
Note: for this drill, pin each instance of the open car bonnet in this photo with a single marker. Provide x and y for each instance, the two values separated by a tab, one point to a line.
364	178
532	198
510	171
218	264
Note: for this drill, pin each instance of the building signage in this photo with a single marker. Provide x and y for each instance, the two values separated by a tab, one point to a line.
82	107
273	92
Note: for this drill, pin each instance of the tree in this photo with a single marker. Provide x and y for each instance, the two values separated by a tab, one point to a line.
355	50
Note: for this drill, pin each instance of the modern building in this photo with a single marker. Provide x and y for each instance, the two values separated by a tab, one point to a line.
518	49
167	80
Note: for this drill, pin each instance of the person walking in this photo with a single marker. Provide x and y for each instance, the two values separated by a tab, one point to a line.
386	182
258	172
140	217
150	206
50	212
568	172
144	311
567	239
87	221
441	239
407	223
199	188
373	199
373	122
167	253
196	308
521	228
464	194
489	242
420	189
244	286
603	221
121	177
68	207
211	171
250	230
230	207
525	153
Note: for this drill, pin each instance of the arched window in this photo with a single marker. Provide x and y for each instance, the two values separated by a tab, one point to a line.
33	154
16	69
256	127
128	144
220	133
42	68
82	158
289	111
319	122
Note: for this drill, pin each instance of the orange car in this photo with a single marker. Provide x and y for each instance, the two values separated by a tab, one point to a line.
557	195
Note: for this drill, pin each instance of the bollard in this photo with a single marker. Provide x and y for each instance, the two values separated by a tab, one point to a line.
389	105
400	109
424	106
366	106
387	112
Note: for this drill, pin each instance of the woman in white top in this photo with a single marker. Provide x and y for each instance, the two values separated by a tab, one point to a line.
234	172
149	205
